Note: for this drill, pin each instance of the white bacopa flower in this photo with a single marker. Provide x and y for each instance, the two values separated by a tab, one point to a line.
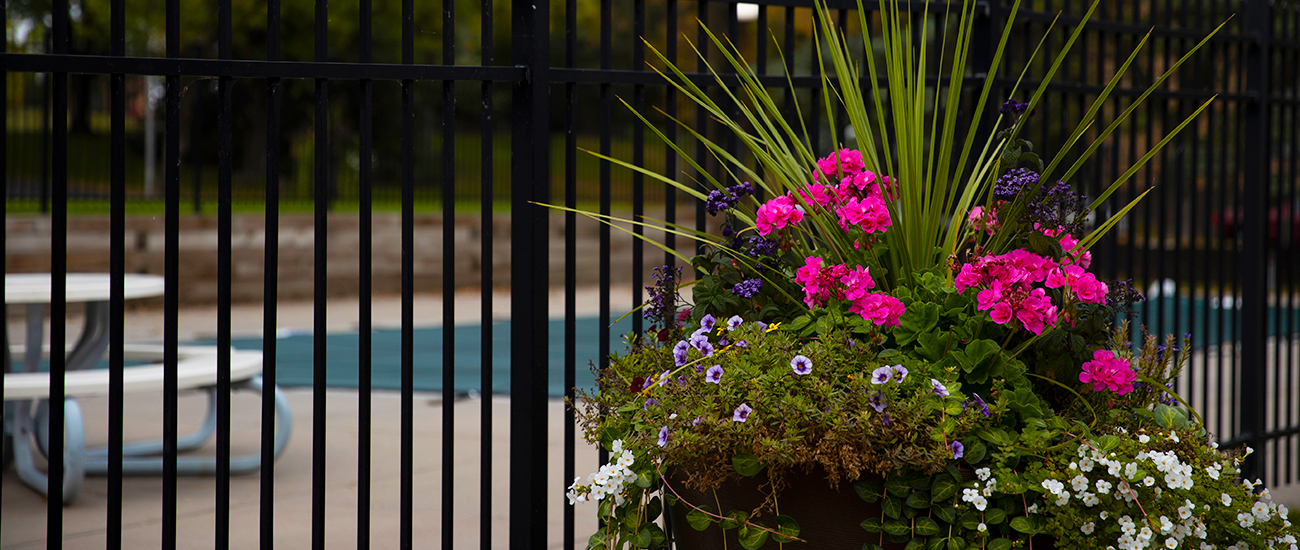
1079	482
1171	543
1032	509
1148	481
982	528
1260	510
1090	499
1063	499
1113	468
1227	500
1053	486
983	474
616	447
1086	464
1087	528
1166	526
981	503
1245	520
1083	450
1184	513
1143	438
1131	470
1103	486
1104	514
1174	436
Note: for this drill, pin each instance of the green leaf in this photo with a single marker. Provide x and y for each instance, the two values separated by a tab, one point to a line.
956	544
787	528
975	451
969	520
653	509
872	525
892	507
917	319
943	489
946	514
1106	443
932	344
597	540
734	519
999	544
1169	418
897	528
641	538
746	464
897	485
980	351
995	516
917	543
1024	525
926	527
918	500
752	537
868	491
698	519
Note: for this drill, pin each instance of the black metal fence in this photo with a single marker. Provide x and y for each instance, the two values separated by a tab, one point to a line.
1217	244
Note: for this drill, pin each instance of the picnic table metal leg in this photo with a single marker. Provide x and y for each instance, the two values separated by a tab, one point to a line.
23	427
97	459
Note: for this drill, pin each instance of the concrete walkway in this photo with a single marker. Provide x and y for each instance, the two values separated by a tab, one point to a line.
22	512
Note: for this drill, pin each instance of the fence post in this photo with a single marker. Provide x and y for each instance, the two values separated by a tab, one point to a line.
1252	391
530	181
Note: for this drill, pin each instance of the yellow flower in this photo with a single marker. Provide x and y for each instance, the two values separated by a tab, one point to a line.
772	327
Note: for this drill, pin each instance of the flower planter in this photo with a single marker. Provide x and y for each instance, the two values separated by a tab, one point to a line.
828	517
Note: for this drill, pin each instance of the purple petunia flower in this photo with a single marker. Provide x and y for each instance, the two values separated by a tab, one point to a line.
680	357
663	436
682	345
699	338
877	401
699	368
742	413
697	421
761	326
663	378
939	389
882	375
801	365
714	375
706	348
885	419
958	450
742	344
984	408
651	403
900	372
734	322
707	323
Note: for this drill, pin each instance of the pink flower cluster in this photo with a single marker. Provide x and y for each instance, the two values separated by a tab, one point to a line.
858	200
1106	371
823	283
1008	293
777	213
1068	242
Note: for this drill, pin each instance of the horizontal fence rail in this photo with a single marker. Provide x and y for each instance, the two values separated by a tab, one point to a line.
427	116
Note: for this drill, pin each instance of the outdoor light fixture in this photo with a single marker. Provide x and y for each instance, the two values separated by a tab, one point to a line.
746	12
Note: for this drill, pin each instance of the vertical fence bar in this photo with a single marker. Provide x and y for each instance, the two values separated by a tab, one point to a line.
638	158
1254	255
270	280
530	181
670	132
487	193
319	288
171	254
4	236
408	275
1290	234
117	269
448	274
701	121
365	193
570	259
224	161
58	280
197	132
606	45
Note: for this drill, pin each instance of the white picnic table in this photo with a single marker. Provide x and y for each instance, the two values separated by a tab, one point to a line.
26	391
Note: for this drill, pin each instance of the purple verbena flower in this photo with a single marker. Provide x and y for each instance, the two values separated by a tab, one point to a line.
714	374
939	389
663	436
1013	182
747	288
877	401
742	413
762	246
801	365
958	450
900	372
1013	107
882	375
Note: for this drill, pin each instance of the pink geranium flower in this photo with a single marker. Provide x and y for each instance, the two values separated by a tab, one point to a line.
849	162
777	213
1106	371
